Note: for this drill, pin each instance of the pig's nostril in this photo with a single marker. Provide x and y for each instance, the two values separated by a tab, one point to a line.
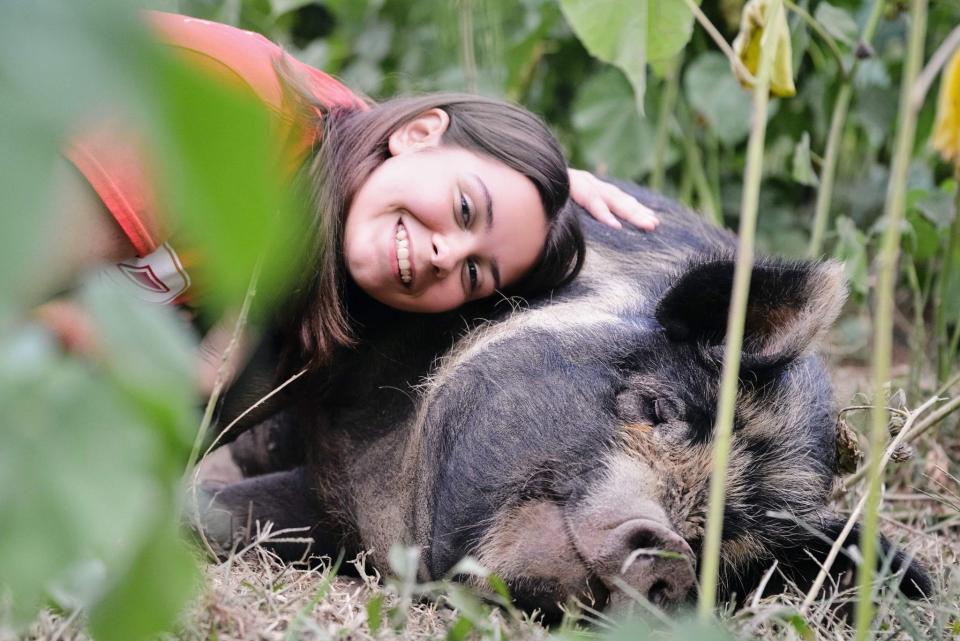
644	540
659	593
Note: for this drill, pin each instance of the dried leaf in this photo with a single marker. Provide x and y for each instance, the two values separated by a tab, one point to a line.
849	454
902	453
753	26
946	130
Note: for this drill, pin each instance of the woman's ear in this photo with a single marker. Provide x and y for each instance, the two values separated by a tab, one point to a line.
426	130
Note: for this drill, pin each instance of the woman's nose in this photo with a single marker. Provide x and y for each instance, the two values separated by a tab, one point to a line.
446	255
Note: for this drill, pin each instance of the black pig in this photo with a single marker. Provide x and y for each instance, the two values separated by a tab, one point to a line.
556	440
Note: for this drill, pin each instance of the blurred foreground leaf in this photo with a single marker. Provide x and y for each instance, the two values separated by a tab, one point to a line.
223	172
90	467
151	593
58	61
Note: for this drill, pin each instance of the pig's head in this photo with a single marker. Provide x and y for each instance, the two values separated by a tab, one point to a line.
569	448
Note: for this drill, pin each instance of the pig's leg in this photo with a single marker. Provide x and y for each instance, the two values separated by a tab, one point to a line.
274	445
232	515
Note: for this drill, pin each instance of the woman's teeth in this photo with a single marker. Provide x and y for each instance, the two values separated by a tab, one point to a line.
403	255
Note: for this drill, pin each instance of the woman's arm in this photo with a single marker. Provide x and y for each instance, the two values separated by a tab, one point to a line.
608	203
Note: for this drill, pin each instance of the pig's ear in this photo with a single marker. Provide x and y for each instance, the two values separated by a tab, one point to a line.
790	305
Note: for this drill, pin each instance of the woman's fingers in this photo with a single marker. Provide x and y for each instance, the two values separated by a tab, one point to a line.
608	203
597	206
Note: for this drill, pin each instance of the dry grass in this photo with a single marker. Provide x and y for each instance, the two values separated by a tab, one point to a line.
254	597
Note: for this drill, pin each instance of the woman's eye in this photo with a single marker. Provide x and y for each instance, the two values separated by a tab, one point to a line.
472	273
464	210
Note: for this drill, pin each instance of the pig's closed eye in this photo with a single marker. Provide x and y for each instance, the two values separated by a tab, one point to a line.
667	410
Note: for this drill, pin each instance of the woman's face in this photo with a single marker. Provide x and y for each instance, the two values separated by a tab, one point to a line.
434	227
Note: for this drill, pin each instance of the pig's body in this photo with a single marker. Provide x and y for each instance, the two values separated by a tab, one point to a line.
559	438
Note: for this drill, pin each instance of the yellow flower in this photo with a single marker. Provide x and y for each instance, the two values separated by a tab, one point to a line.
753	24
946	130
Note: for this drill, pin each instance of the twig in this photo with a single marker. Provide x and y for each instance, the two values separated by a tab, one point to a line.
939	58
838	544
718	38
259	402
221	379
934	418
763	585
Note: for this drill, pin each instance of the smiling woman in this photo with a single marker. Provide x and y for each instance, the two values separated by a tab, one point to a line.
431	202
436	226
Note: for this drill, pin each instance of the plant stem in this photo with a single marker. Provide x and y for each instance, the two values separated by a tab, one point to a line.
735	320
667	103
918	338
945	347
829	171
932	70
719	40
221	378
883	329
837	121
467	47
695	163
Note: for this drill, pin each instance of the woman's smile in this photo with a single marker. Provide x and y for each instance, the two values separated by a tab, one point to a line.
403	253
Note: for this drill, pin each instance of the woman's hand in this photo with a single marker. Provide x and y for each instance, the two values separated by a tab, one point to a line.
607	202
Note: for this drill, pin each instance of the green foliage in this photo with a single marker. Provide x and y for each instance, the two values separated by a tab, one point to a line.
715	95
93	449
631	34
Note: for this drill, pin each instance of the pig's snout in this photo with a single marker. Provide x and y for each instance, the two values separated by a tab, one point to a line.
640	556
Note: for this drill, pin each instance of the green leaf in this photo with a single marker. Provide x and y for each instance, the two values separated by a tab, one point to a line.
837	22
630	33
614	140
803	171
153	591
468	565
469	605
76	471
922	240
460	629
150	355
715	94
796	621
375	613
937	206
500	587
404	562
852	250
224	183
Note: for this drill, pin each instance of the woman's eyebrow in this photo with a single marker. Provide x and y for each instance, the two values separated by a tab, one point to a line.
487	200
488	205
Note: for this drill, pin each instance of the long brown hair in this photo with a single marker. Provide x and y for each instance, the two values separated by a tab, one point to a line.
354	142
